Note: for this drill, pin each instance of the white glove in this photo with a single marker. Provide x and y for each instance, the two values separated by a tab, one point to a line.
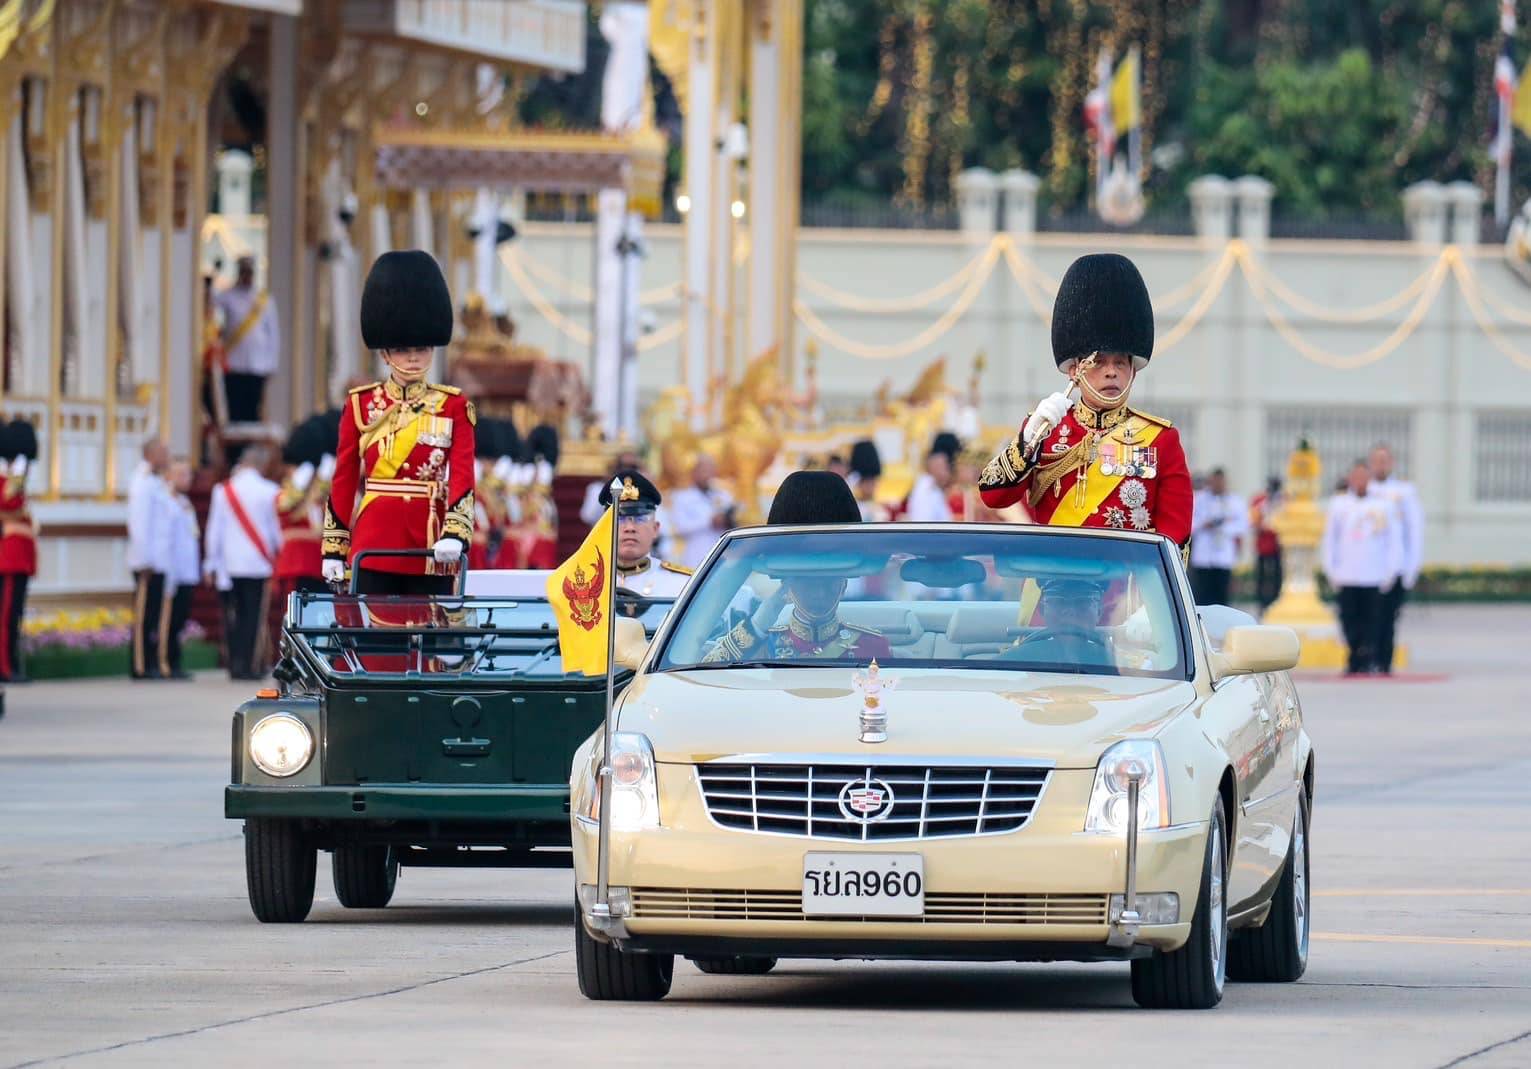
765	616
1048	413
19	466
447	550
302	475
326	467
334	571
503	468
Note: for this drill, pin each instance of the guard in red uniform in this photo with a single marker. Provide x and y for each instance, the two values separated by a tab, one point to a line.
404	471
18	542
1096	462
814	631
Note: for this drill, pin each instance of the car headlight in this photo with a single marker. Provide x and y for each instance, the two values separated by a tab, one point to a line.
1107	811
635	787
281	744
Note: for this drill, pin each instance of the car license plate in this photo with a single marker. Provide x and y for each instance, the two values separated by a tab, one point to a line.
863	885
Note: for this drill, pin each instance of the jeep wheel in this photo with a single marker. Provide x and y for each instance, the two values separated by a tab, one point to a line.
1191	978
608	975
364	875
734	966
279	870
1277	951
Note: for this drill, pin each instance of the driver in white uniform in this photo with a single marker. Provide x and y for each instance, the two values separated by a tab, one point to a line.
638	570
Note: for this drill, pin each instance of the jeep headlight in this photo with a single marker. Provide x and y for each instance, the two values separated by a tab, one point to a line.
635	787
1107	811
281	744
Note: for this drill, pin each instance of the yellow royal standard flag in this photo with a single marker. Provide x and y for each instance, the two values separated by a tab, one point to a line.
1126	98
1520	108
580	593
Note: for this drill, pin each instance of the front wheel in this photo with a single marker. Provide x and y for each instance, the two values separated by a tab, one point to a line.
364	875
279	870
1277	951
608	975
740	965
1191	978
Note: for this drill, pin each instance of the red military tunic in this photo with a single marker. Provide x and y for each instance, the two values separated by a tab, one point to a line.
300	516
1121	469
403	475
800	639
18	534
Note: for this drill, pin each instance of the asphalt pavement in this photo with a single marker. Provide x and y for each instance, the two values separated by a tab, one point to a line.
126	938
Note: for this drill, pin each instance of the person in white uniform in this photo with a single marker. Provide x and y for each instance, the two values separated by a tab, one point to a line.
181	545
148	506
1362	556
252	342
242	539
699	514
1220	520
1405	499
638	570
928	501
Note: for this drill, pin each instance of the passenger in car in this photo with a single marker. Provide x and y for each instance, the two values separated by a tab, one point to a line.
814	631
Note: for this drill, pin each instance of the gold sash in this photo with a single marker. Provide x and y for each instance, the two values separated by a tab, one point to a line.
1070	511
252	317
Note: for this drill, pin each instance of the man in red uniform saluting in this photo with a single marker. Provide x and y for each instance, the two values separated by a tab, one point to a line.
404	473
1096	462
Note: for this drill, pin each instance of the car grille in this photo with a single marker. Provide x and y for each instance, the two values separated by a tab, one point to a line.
683	903
927	802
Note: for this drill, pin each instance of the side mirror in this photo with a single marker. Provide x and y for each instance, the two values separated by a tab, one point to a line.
1256	648
631	643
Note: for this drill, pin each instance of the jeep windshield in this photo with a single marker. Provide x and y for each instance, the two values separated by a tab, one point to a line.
349	636
934	597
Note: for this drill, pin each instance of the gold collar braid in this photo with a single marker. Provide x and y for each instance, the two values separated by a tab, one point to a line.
816	631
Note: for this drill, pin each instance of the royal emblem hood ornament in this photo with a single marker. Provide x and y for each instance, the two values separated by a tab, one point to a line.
874	715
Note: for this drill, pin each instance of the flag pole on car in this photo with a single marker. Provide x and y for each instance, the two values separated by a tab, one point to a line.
580	591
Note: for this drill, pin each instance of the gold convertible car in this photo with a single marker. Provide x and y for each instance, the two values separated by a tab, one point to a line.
973	743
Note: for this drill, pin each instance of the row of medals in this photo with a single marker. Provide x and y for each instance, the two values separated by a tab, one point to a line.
1142	462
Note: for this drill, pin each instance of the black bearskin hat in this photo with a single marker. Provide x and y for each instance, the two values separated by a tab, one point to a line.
813	497
542	444
328	434
405	304
1103	307
948	443
865	460
20	440
486	439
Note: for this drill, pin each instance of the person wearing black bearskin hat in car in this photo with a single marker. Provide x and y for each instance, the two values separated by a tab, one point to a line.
404	474
1096	462
18	541
814	630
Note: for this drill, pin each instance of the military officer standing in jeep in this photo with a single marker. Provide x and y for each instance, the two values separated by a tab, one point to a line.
404	474
1096	462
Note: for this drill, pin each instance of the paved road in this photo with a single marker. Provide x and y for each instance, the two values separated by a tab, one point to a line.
125	937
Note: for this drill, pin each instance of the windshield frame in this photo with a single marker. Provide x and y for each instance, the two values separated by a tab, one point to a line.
1169	556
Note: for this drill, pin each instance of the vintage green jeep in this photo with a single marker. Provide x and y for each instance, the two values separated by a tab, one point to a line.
411	731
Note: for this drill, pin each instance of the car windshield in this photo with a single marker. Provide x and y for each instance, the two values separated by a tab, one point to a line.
493	637
957	598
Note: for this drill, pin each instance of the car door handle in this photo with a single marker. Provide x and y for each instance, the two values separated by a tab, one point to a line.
466	747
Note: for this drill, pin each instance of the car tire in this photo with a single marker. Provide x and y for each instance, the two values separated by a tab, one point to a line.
1277	951
1191	978
735	965
608	975
279	870
364	875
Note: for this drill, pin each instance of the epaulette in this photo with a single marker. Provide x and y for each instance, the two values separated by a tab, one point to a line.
1160	420
678	569
861	630
445	389
364	389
